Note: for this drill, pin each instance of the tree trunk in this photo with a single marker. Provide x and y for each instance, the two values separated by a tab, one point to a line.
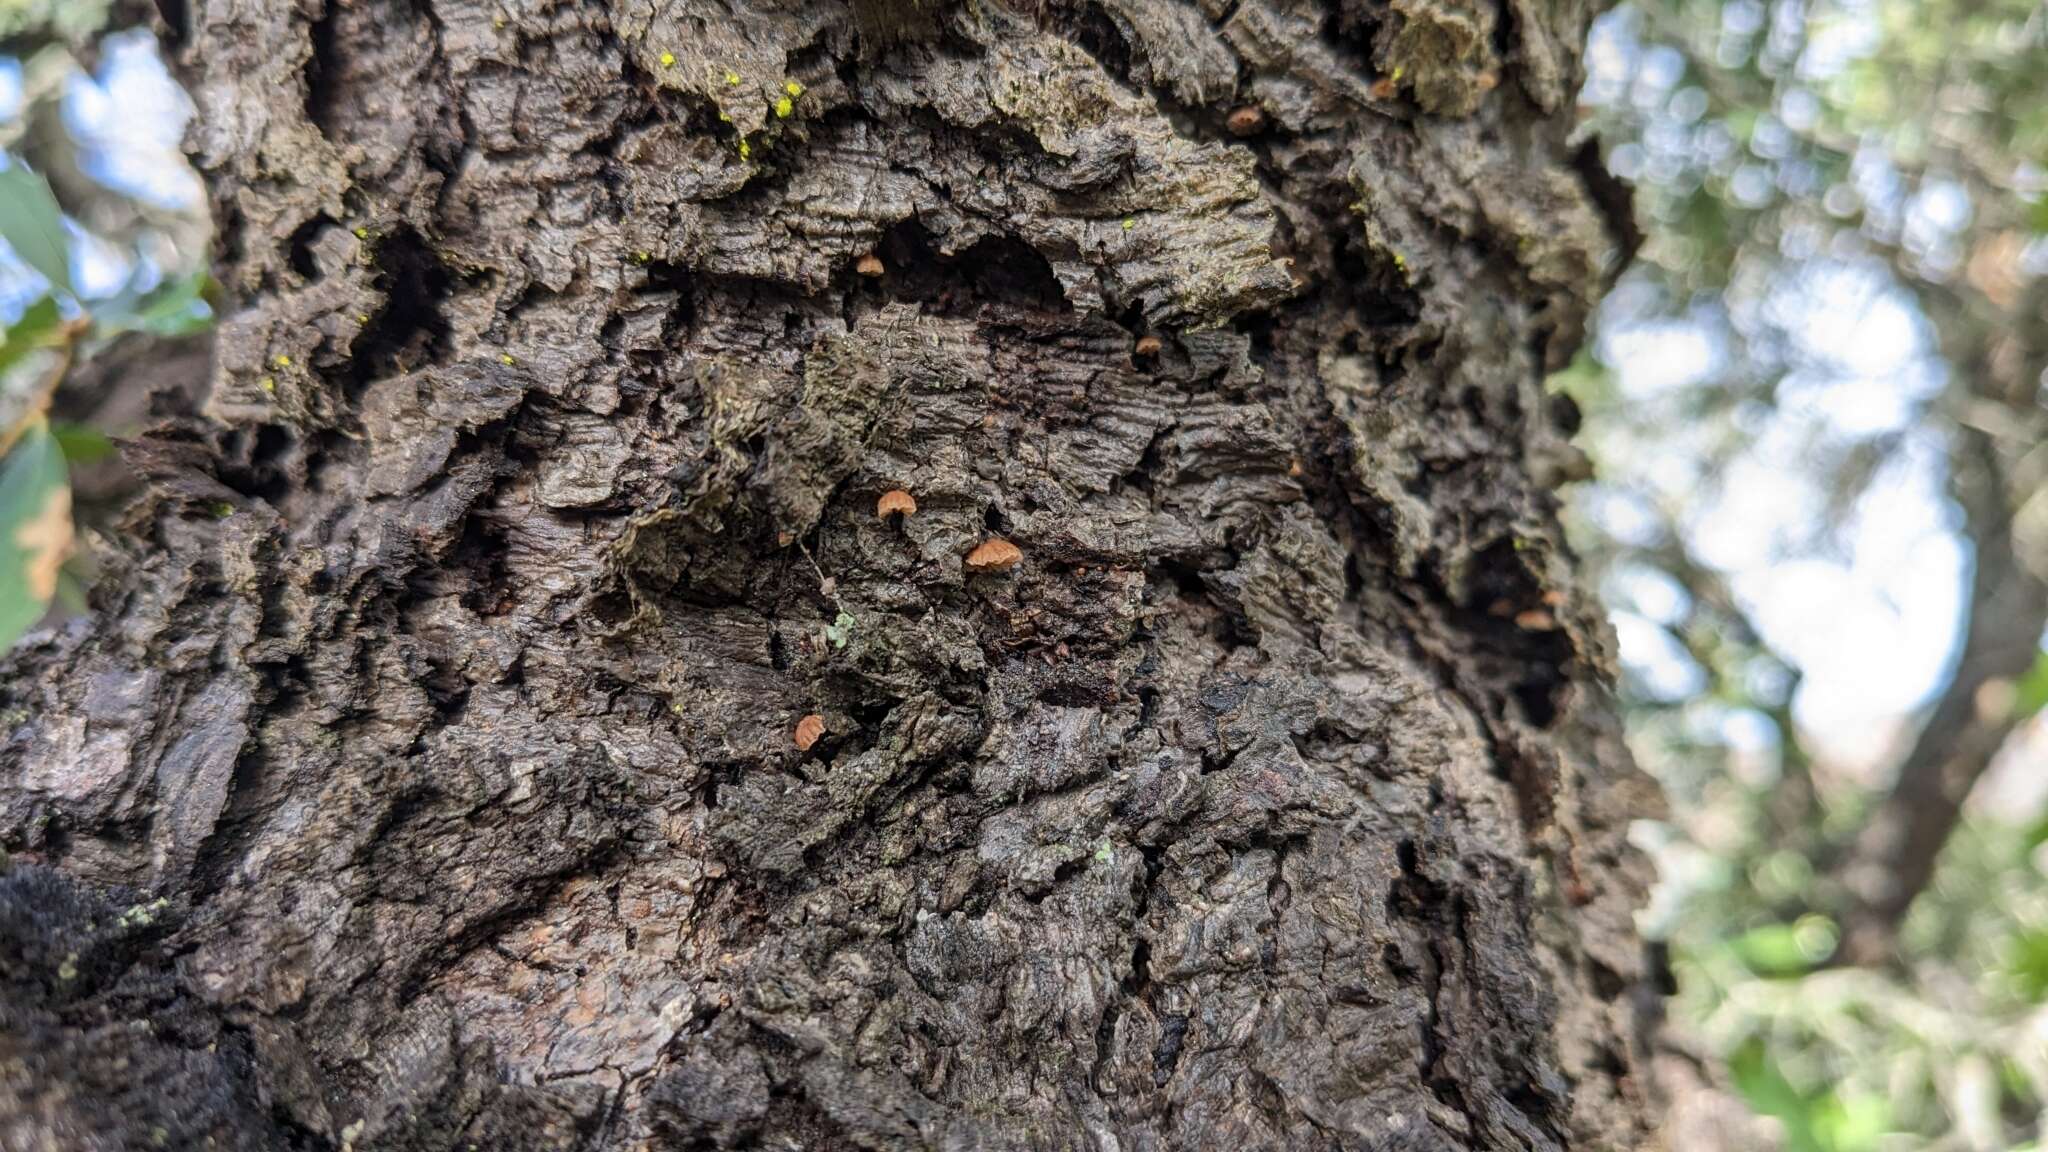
428	774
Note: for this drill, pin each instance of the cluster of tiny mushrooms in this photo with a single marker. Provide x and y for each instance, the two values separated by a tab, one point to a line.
994	554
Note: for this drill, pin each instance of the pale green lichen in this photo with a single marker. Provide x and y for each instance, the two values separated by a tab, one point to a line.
840	631
142	915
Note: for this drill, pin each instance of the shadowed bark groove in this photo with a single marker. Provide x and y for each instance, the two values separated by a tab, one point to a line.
439	708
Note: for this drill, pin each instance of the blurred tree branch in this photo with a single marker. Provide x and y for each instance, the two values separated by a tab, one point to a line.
1996	354
1988	324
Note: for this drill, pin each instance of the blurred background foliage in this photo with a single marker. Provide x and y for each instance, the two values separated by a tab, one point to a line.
1815	409
105	240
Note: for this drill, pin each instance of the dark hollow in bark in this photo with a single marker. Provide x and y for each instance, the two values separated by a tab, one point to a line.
426	777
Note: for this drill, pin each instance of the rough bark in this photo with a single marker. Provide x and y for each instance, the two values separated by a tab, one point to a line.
425	777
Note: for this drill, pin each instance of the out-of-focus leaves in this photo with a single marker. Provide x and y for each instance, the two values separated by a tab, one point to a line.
179	308
2032	691
71	20
1785	949
1757	1077
33	225
74	167
1824	1121
1855	1123
2028	965
82	444
35	529
24	383
36	327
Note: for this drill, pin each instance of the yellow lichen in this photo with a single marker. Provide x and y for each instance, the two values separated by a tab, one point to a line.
668	59
793	88
733	79
506	359
1129	223
784	107
283	361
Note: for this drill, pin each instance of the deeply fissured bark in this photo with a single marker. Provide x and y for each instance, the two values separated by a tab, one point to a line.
430	749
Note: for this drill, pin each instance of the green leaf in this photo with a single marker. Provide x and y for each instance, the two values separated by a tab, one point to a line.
1785	949
35	529
38	322
33	225
1857	1123
2032	692
22	391
178	308
1769	1093
81	443
2027	965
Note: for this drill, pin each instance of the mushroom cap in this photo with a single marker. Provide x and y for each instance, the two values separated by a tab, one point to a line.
1149	346
993	555
808	730
869	265
896	500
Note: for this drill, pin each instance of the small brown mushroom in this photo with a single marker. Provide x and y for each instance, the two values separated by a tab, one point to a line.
1246	121
808	730
896	500
1535	620
1148	346
993	555
869	265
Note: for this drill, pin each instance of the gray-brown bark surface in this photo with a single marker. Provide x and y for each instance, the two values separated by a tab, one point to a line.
426	777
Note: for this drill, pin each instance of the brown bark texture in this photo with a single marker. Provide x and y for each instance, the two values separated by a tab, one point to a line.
427	776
